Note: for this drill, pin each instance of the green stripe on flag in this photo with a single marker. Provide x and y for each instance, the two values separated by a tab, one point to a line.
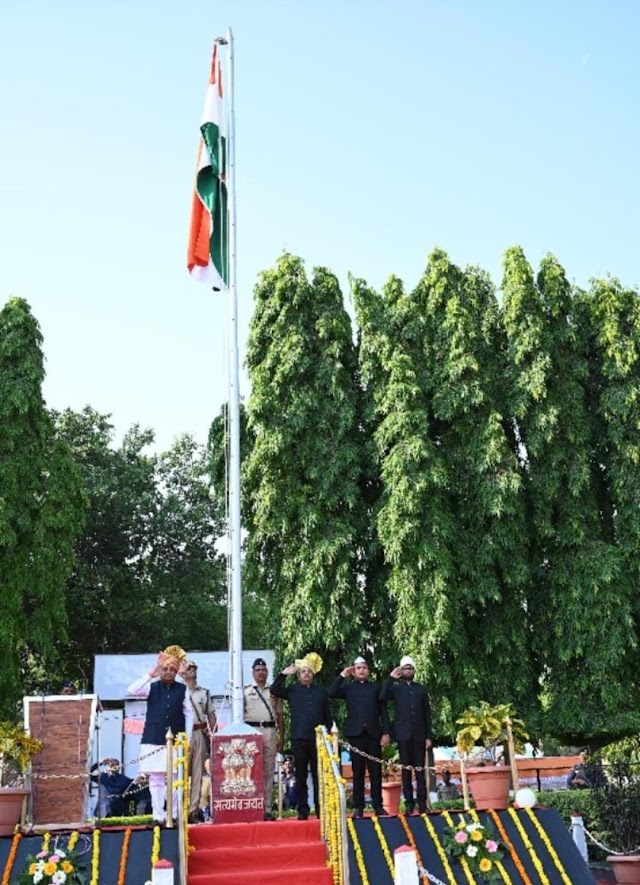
212	190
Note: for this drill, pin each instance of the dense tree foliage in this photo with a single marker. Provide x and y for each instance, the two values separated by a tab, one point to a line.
302	475
452	519
489	463
41	509
148	571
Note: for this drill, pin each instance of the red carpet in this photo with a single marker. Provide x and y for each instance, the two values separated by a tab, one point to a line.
288	852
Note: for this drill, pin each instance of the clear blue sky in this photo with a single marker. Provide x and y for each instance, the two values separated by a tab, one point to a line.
367	133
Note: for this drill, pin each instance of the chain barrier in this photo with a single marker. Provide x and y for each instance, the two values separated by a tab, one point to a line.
595	841
429	876
371	758
95	775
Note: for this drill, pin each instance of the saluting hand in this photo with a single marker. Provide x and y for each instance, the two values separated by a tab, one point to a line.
290	670
396	672
348	671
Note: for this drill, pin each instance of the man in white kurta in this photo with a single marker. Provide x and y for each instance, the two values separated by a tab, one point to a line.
167	707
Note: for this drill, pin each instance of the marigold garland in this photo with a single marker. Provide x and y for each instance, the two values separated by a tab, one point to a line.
123	856
45	842
505	875
155	849
549	847
514	857
527	841
73	838
95	858
11	859
383	844
358	852
463	860
403	820
441	852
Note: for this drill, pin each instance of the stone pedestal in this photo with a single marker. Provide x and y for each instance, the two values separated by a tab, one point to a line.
237	792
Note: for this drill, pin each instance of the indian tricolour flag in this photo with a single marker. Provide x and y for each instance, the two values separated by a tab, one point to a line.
208	256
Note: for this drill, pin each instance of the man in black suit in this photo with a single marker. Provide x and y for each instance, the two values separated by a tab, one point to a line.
412	728
367	727
309	706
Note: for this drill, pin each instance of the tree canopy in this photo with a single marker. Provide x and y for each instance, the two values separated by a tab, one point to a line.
461	484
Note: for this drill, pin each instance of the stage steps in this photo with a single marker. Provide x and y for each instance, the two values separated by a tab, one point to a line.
288	852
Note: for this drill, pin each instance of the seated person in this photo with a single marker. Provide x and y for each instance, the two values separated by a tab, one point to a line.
138	793
586	774
289	799
447	791
112	787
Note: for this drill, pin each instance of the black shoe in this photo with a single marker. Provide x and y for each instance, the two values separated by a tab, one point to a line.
380	811
422	807
303	815
359	812
268	816
408	808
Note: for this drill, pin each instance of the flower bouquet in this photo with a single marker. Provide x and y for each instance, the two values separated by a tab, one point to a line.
55	867
478	845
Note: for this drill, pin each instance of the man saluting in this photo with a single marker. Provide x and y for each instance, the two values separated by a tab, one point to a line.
412	728
309	706
367	727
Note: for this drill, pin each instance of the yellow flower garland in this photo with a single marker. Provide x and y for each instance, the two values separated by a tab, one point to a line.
6	878
383	844
530	848
463	859
358	852
45	842
155	849
441	852
514	857
505	875
95	859
123	857
73	838
549	847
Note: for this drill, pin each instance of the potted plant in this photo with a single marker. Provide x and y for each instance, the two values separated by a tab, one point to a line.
616	806
391	781
16	750
483	738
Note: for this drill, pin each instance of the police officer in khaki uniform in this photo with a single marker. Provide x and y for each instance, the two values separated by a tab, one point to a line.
263	711
204	724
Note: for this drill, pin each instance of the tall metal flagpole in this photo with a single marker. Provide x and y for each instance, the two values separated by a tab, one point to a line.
235	638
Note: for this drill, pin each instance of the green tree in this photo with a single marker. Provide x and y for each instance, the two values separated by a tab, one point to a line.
452	519
580	601
41	509
303	471
148	571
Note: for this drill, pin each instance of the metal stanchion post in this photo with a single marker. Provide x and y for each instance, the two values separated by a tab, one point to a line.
169	739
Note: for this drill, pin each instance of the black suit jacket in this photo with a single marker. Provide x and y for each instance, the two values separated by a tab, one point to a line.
366	713
309	705
412	710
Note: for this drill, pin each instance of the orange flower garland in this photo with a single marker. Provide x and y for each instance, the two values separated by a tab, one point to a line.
532	852
516	860
405	826
11	859
123	856
549	847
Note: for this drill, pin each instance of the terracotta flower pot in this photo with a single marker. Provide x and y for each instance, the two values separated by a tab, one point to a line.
489	785
626	868
391	791
11	799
